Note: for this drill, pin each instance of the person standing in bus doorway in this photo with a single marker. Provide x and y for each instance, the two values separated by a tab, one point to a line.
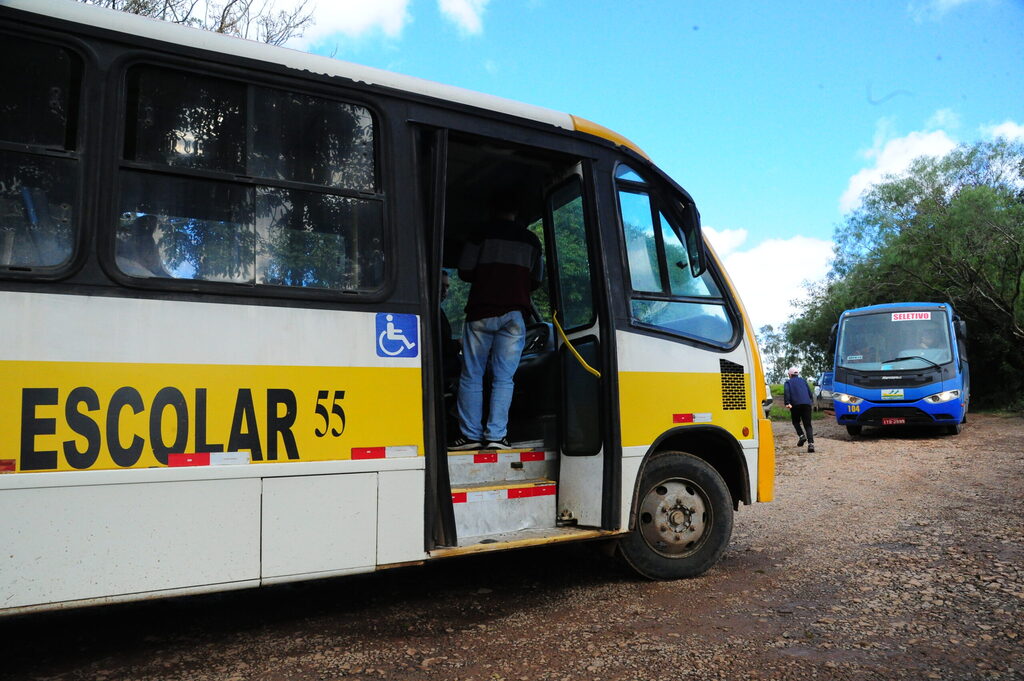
797	397
503	264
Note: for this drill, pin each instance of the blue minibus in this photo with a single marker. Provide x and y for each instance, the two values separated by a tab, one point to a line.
900	364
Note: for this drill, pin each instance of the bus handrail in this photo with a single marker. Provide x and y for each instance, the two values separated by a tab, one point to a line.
568	344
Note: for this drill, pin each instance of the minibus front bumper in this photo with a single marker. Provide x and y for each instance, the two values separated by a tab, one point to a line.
919	413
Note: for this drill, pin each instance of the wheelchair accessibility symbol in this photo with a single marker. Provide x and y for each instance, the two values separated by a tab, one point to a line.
397	335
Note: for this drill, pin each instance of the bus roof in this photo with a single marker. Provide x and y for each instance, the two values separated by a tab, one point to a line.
882	307
155	29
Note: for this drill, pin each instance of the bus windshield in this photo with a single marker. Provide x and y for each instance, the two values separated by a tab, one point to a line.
884	341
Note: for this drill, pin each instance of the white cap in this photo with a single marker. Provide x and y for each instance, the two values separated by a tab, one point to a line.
792	371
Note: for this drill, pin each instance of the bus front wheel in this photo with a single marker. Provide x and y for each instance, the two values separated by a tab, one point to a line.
853	430
955	428
684	519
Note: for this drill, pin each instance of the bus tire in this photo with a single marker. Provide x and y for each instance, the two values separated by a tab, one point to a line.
684	519
853	430
955	428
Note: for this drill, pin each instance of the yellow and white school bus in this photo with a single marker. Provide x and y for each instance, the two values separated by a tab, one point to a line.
222	362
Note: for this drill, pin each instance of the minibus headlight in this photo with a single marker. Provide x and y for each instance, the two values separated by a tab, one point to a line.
847	399
946	396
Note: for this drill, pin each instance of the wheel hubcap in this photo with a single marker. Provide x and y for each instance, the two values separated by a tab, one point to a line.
674	517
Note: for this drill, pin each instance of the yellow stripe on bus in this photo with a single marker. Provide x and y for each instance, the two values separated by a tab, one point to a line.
76	415
648	401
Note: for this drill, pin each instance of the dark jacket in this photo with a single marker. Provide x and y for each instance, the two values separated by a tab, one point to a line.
503	262
796	391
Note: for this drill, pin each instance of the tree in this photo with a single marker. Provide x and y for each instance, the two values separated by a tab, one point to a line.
252	19
949	230
777	354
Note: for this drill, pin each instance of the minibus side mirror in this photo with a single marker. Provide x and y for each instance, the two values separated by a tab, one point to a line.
695	242
961	339
832	341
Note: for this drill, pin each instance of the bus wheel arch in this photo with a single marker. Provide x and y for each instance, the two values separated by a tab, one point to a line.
684	499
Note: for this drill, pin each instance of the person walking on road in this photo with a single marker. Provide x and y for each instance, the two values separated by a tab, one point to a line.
797	398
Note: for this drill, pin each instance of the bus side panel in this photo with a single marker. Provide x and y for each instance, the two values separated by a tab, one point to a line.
665	384
73	543
400	503
109	383
319	523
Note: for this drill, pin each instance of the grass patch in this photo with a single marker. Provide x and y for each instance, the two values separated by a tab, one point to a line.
777	389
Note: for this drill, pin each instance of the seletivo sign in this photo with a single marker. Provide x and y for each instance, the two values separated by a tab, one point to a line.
911	316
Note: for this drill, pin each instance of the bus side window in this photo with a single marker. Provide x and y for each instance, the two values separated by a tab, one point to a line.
39	183
665	294
307	214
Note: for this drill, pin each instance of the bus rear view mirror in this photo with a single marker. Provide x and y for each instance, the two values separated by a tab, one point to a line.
832	340
695	242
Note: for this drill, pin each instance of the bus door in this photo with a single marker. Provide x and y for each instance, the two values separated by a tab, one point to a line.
552	478
576	317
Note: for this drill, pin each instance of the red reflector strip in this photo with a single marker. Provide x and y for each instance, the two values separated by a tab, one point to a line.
459	498
207	459
485	458
532	456
198	459
395	452
541	491
7	465
682	418
359	453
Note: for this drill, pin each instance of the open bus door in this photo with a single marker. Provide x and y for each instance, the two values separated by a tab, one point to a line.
552	483
576	315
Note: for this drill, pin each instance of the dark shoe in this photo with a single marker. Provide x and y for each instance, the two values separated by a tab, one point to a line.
503	443
810	448
801	441
461	444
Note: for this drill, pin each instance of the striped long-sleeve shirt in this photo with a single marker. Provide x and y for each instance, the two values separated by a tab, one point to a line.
503	261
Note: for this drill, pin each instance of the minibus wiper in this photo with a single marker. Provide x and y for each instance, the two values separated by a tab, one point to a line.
925	359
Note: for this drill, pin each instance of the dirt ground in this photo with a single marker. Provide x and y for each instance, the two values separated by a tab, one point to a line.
896	556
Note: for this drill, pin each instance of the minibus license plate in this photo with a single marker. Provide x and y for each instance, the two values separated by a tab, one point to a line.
893	421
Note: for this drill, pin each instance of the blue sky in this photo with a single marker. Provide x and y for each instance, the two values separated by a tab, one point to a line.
775	116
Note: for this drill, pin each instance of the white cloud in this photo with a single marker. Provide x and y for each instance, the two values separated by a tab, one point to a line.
353	18
943	119
467	14
1008	129
768	276
893	156
725	241
933	10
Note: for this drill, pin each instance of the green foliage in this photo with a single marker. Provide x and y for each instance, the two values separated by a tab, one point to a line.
778	354
777	389
950	230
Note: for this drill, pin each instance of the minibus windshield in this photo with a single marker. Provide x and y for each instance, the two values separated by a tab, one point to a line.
884	341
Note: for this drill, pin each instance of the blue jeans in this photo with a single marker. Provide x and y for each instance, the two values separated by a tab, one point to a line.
500	340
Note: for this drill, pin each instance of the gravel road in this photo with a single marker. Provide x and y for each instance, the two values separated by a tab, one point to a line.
896	556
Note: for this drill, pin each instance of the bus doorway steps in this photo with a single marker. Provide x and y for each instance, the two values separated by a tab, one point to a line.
499	491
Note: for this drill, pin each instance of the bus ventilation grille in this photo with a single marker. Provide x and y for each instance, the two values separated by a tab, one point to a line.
734	393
